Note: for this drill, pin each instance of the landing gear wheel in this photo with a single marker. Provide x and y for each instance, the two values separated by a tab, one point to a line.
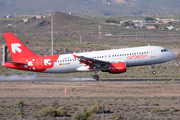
96	77
154	72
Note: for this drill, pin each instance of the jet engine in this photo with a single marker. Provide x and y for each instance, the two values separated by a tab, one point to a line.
115	68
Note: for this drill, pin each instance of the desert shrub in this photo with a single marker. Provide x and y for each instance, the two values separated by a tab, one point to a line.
77	116
84	108
62	111
33	115
117	116
91	117
144	98
95	109
154	110
48	112
86	114
18	112
18	102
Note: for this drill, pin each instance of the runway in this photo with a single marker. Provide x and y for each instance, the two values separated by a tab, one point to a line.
17	78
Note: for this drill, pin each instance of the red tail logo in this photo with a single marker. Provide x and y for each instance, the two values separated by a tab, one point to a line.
15	47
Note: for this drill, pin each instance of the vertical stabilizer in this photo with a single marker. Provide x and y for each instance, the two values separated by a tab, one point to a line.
17	49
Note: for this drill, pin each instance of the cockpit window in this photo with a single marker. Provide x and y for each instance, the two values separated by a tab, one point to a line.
164	50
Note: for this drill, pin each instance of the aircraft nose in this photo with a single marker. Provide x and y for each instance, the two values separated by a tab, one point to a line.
172	56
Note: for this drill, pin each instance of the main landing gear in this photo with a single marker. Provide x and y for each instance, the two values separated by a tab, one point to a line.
96	76
153	71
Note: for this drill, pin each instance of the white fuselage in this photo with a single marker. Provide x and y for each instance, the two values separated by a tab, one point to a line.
136	56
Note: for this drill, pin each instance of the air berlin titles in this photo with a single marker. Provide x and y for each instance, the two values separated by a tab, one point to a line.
137	56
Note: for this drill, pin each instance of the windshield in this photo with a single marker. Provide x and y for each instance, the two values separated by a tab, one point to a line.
164	50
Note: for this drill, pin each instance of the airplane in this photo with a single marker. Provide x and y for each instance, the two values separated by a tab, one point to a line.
114	61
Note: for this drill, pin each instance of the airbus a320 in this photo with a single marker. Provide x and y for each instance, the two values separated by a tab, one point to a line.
113	61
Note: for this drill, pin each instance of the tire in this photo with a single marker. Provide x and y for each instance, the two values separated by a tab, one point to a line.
153	72
96	77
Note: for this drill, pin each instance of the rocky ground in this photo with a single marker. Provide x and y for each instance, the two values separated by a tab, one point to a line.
132	100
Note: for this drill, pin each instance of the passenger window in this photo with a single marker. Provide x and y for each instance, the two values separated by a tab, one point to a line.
118	55
122	54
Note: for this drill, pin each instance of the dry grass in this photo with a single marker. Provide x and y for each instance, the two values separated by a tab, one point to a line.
133	100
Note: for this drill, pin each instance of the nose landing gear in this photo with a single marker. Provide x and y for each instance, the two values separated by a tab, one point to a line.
153	71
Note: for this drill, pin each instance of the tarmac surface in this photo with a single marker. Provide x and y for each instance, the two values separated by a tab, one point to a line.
17	78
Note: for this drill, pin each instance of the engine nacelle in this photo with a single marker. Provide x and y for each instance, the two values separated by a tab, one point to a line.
115	68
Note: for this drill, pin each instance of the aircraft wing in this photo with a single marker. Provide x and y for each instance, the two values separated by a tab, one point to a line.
92	63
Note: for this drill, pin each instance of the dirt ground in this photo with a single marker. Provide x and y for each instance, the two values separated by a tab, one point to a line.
132	100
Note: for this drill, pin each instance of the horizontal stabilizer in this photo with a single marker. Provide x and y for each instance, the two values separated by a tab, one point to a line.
13	62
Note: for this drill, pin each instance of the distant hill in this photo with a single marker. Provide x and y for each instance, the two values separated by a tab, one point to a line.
64	25
89	7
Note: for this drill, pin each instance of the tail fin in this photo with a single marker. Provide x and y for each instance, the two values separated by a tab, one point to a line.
17	49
